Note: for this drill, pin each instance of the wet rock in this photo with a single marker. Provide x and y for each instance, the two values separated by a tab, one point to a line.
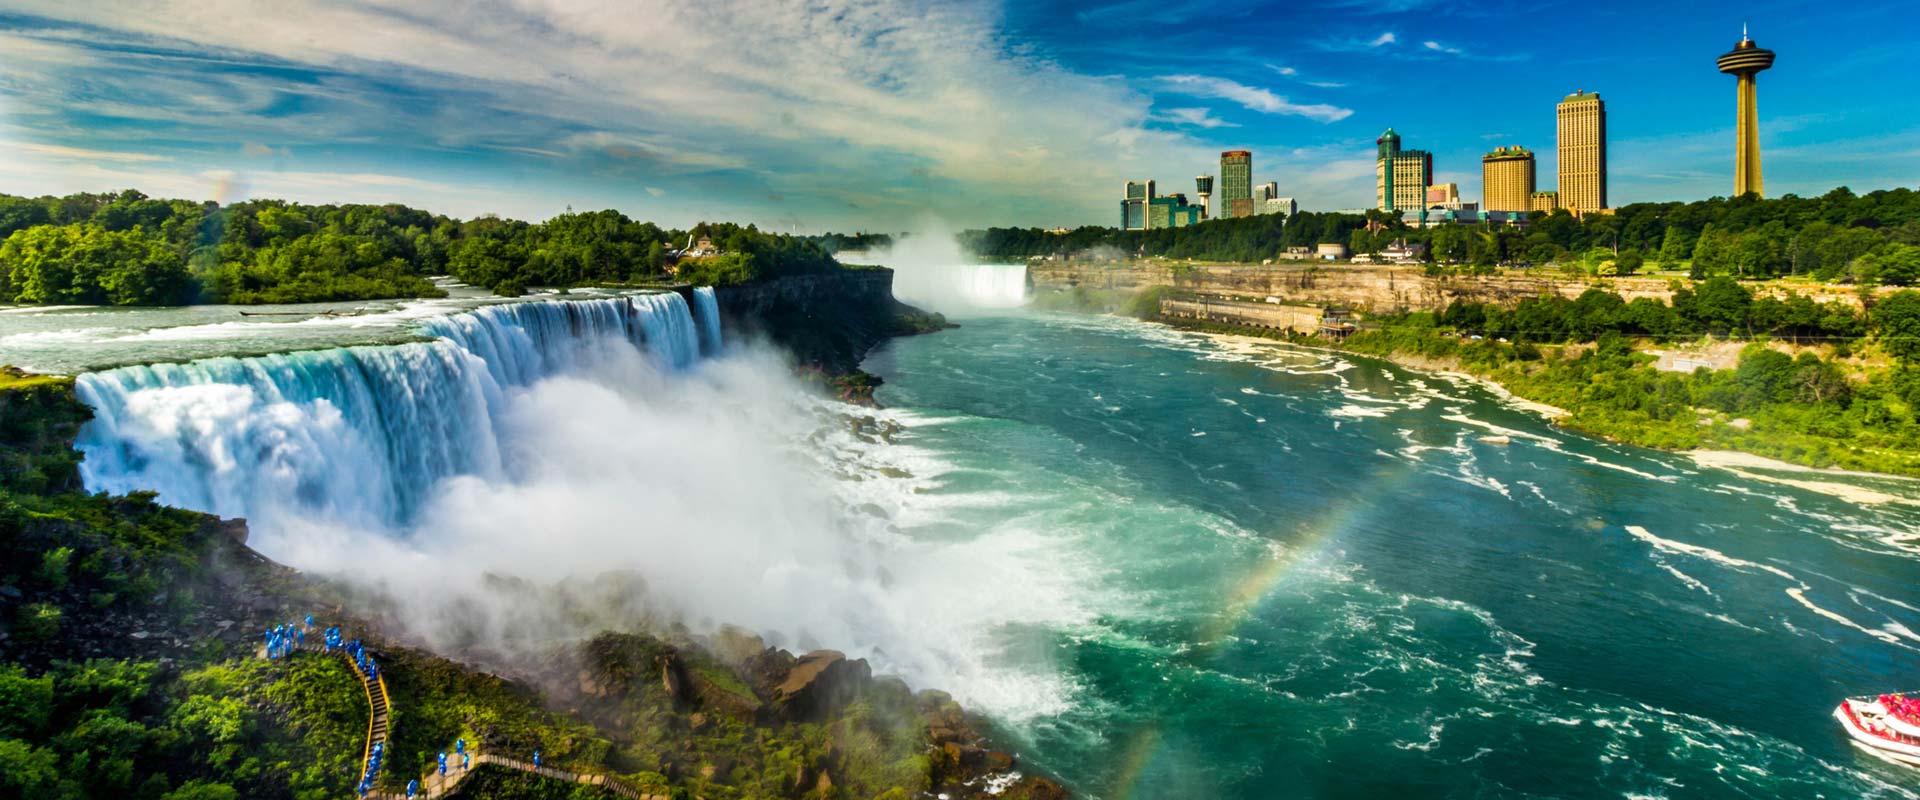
671	679
734	645
820	683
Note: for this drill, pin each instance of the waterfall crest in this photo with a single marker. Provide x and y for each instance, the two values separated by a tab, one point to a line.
360	435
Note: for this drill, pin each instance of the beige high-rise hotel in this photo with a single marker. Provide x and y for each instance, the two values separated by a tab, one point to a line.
1506	179
1583	152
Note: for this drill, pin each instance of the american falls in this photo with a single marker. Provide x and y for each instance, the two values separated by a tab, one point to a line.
360	435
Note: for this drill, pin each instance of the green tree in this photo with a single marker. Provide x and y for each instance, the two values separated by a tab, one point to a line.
1628	262
1896	321
88	264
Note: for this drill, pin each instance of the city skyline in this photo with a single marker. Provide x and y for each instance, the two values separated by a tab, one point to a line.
830	117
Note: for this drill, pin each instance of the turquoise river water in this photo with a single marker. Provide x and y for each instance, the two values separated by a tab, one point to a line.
1307	575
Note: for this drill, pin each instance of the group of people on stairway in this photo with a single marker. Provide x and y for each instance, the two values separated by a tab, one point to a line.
282	639
374	757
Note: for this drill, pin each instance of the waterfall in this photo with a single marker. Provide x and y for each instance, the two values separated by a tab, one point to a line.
706	310
358	435
955	287
997	285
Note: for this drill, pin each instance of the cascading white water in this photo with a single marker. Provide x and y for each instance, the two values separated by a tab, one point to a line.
706	310
960	287
543	470
356	435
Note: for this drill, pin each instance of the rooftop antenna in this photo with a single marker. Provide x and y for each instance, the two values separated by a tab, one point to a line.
1743	33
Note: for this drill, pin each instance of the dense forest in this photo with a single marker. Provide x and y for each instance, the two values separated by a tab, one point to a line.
1840	236
129	249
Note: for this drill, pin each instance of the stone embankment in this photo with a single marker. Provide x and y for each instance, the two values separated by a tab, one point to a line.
1365	287
1273	316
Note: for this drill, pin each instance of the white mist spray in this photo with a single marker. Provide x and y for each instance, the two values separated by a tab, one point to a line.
616	489
932	271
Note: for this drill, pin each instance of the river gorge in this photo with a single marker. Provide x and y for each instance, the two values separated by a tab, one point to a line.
1161	564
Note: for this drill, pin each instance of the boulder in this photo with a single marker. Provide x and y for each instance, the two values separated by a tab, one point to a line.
997	761
735	646
671	679
820	683
1038	788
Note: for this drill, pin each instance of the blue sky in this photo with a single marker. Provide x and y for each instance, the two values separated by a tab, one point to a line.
854	114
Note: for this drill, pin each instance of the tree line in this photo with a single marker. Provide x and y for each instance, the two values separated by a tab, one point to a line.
1869	239
1718	306
126	248
1246	239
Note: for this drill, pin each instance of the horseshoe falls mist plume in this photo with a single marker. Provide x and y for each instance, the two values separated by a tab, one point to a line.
607	446
932	270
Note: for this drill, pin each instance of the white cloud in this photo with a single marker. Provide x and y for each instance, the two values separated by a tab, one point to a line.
1197	117
1253	97
655	151
84	154
819	100
1440	48
1384	39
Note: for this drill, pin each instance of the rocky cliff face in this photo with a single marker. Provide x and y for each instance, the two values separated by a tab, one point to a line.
1365	288
39	418
829	320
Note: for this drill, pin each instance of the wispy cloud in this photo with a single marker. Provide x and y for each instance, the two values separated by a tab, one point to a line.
1197	117
1355	44
1440	48
1253	97
84	154
1291	72
824	103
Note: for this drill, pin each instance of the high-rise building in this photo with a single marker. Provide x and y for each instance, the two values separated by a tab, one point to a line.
1133	205
1746	61
1543	201
1506	179
1143	208
1401	176
1171	211
1203	186
1275	205
1583	152
1236	183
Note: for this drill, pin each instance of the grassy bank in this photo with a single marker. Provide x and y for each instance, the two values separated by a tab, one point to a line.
1769	405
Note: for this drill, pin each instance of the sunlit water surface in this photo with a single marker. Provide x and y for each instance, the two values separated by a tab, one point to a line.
1298	574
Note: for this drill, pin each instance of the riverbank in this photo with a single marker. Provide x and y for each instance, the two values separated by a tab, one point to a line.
1380	288
1534	385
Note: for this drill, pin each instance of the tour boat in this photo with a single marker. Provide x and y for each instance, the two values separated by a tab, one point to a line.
1874	729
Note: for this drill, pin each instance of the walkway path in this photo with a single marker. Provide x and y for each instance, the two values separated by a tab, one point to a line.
433	784
437	785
